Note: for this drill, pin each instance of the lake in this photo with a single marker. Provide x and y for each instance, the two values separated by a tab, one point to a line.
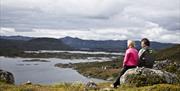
45	72
75	52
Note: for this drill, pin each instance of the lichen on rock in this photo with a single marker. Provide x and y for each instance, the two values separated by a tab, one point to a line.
141	76
6	77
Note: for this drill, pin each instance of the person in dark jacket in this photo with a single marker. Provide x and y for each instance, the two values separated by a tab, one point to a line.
146	58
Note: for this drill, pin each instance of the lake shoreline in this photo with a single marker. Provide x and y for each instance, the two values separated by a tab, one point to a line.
106	70
24	68
62	55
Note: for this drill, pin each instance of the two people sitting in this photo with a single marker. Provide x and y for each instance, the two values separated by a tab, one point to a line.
133	58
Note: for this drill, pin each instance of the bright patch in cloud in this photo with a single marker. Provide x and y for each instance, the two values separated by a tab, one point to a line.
154	34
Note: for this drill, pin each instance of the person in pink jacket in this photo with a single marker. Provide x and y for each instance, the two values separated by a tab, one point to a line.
130	61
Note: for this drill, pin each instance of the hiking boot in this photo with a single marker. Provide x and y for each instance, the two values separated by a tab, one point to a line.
112	85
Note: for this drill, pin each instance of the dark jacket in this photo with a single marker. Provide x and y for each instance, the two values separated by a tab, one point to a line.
146	58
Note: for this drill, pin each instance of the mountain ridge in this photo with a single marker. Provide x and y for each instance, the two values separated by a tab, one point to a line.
108	45
33	44
90	45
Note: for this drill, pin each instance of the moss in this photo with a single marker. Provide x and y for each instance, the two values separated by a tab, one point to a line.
143	80
57	87
96	69
157	87
171	68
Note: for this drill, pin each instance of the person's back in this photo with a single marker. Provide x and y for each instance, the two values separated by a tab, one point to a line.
131	58
146	58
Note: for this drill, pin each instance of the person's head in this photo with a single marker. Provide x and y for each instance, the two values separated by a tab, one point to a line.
130	44
145	42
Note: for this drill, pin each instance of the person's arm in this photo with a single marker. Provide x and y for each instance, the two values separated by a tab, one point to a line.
126	58
141	54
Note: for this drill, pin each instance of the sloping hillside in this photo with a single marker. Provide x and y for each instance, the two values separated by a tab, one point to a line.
172	53
34	44
46	44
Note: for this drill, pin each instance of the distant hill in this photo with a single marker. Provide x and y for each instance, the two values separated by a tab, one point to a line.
96	45
172	53
46	44
16	38
107	45
34	44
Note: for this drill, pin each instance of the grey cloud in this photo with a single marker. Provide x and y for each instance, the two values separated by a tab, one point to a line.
38	17
23	29
91	14
170	23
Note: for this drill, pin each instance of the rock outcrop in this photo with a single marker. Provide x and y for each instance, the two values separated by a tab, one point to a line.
90	86
6	77
141	76
167	65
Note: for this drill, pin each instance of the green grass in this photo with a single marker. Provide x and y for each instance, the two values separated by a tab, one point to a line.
172	53
158	87
80	87
36	87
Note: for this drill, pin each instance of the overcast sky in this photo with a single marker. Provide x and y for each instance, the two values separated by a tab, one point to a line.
158	20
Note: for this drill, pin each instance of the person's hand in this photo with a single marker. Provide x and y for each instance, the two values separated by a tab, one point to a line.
123	65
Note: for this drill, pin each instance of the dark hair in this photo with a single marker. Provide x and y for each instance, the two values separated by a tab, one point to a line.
146	41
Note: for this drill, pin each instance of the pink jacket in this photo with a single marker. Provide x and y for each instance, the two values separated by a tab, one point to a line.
131	57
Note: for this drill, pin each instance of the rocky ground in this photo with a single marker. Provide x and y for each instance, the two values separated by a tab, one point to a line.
110	69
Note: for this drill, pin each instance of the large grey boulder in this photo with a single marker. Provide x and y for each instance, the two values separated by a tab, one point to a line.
141	76
6	77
